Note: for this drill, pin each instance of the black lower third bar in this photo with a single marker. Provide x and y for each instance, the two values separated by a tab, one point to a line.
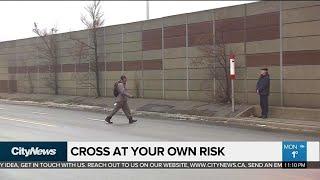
157	165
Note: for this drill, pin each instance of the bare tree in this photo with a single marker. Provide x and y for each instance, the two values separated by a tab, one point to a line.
81	54
48	51
215	58
28	78
88	51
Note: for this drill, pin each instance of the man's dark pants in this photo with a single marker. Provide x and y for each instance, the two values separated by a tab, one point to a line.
125	108
264	105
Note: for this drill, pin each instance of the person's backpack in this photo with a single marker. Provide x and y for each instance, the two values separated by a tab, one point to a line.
115	89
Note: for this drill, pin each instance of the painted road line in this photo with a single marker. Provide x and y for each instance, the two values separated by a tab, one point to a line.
93	119
26	121
41	113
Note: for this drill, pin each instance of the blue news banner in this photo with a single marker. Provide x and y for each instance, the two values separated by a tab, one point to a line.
54	155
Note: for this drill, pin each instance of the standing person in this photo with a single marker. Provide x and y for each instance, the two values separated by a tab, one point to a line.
263	90
121	93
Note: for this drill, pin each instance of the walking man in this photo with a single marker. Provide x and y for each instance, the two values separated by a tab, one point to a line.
121	94
263	90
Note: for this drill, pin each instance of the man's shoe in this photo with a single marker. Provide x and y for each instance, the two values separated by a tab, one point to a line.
132	121
264	117
108	120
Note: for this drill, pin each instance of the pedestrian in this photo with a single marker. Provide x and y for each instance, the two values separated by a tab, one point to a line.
121	93
263	90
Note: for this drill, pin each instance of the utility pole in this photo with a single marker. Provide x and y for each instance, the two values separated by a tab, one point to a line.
147	10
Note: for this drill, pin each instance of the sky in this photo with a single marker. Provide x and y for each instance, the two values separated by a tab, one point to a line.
17	17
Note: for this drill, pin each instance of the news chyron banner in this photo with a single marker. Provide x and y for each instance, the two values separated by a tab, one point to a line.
163	155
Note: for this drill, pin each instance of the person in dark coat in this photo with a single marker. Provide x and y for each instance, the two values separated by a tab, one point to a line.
121	101
263	90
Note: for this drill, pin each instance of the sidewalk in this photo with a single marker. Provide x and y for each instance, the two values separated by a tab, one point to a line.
146	105
219	114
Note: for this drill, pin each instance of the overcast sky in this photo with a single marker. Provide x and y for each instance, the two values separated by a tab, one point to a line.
17	17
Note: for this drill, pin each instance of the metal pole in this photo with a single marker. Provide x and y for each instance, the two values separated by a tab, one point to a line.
38	71
245	53
232	77
75	74
122	63
147	10
89	66
105	63
232	94
142	69
162	58
187	56
214	61
281	58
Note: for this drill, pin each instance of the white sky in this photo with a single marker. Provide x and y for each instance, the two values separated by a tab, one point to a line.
17	17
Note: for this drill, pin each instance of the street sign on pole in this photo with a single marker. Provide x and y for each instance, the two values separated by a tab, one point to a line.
232	77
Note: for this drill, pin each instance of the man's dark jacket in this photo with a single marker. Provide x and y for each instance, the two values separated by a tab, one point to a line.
263	85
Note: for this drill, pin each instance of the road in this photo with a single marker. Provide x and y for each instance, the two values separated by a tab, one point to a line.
19	122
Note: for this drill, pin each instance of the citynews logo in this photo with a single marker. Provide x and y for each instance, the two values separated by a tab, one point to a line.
33	151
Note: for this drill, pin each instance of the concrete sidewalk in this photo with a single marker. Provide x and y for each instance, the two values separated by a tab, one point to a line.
168	109
136	104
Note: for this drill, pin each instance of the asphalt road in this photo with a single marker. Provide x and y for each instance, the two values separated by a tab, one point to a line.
48	124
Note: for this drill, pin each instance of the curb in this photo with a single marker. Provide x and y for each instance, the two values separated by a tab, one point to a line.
239	122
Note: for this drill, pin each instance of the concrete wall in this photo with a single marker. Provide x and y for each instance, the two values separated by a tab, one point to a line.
157	55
